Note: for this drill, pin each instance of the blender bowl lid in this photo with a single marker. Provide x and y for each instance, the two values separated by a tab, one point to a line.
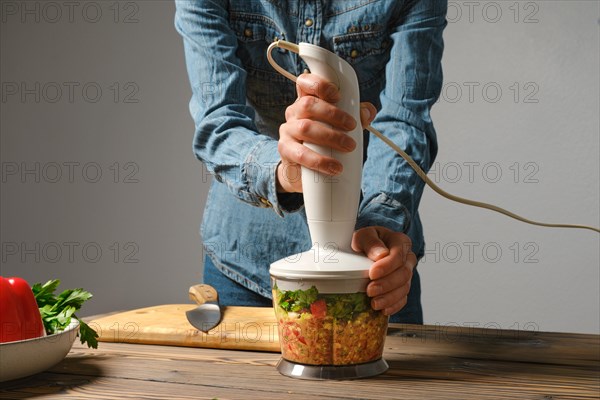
319	263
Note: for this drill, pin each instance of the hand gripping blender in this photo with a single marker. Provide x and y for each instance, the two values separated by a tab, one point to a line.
337	335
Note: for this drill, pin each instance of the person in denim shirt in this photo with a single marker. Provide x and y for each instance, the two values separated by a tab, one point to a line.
250	123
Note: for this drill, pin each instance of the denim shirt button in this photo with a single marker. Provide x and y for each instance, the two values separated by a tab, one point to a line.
266	202
308	22
354	53
248	32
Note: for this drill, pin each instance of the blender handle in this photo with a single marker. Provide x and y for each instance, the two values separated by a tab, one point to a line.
331	203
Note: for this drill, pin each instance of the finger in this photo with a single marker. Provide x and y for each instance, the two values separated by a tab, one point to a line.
368	241
306	130
289	178
309	107
391	302
394	300
297	153
411	260
396	307
313	85
398	278
400	247
367	113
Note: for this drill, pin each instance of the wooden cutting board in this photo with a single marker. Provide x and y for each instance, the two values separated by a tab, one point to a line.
242	328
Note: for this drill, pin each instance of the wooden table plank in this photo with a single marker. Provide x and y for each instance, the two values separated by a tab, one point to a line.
495	344
115	388
141	371
425	362
112	388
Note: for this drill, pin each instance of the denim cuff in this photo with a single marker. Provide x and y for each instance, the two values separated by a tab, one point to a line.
260	172
384	211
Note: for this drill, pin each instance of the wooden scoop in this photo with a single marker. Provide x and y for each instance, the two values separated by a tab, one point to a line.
208	313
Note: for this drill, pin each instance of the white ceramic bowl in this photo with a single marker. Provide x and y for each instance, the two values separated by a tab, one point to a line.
27	357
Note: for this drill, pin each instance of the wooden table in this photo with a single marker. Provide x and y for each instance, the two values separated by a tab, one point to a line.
430	362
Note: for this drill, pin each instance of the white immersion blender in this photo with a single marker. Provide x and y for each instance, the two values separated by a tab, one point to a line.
330	266
314	291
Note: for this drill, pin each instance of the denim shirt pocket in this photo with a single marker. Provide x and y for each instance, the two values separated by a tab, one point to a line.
266	88
366	49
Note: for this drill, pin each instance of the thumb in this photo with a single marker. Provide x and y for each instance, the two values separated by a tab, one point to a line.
367	240
367	113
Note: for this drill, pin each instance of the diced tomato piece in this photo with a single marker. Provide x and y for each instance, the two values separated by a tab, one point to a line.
319	308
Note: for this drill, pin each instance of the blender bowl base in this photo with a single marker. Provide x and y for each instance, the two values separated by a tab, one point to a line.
325	372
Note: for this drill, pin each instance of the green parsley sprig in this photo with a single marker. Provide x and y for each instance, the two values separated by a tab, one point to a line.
57	311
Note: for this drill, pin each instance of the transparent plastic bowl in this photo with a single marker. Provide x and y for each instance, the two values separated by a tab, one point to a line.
319	326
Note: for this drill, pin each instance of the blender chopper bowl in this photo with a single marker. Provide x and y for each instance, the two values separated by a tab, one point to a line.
327	328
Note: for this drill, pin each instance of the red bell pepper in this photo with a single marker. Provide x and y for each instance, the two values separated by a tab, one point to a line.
19	313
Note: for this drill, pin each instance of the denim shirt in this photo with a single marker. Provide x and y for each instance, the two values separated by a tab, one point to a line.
238	103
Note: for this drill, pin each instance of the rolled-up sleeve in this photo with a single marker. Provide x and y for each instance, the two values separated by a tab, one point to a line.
226	138
391	189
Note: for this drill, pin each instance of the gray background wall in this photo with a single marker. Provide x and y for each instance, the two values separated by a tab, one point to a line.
99	186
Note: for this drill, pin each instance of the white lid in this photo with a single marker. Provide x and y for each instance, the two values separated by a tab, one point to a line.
322	263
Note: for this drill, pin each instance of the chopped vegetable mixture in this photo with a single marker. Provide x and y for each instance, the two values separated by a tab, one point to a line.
328	329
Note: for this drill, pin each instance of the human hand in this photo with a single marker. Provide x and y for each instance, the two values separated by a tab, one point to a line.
392	270
314	118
